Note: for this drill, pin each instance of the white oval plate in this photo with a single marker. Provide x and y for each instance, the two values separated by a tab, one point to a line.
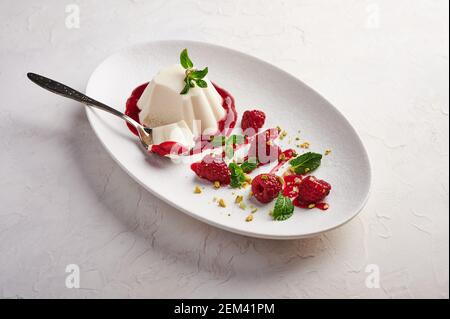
286	101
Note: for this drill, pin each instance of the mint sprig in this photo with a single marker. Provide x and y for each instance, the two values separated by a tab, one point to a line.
306	163
193	76
250	165
284	209
237	175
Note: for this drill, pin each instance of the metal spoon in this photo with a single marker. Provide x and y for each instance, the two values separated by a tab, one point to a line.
63	90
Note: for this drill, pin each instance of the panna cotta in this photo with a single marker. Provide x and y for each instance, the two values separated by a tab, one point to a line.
176	132
179	117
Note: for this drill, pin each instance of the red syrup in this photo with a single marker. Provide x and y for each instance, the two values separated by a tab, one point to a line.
131	108
283	158
167	148
225	125
299	203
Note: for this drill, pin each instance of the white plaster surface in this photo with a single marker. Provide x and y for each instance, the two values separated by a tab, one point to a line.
65	201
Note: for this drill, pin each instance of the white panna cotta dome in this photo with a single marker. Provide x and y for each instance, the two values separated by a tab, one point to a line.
186	116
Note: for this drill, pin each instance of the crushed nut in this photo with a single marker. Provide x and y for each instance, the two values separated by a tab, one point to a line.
305	145
254	210
327	152
283	135
311	206
249	218
248	179
239	199
197	190
242	206
216	184
222	203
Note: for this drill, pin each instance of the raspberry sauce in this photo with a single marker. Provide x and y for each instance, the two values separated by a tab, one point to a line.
131	108
167	148
321	206
283	158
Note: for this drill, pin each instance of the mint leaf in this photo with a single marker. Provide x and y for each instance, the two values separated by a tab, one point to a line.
306	163
284	209
185	89
237	175
249	166
201	84
185	60
199	74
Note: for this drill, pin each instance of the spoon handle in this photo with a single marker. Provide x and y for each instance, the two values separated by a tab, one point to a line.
64	90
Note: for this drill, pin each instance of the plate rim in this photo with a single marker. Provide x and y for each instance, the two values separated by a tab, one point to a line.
89	114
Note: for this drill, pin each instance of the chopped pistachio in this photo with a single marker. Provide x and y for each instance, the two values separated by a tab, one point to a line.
222	203
305	145
197	190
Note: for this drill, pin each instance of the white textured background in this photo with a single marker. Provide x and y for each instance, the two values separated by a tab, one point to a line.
63	200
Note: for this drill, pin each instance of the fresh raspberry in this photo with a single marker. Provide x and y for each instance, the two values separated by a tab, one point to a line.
291	185
212	169
253	119
266	187
312	190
